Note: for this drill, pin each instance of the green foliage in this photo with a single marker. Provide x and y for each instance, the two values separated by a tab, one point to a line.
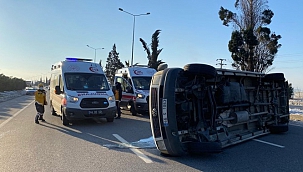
226	16
253	46
11	83
153	55
113	63
127	64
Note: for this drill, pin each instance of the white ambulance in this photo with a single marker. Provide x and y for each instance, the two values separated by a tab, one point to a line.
135	82
79	90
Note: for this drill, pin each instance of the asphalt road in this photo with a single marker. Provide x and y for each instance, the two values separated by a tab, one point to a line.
101	146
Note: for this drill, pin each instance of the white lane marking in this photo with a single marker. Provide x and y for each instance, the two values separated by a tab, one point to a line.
136	151
261	141
10	118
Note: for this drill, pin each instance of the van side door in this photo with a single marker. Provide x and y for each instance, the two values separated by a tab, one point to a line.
128	93
57	98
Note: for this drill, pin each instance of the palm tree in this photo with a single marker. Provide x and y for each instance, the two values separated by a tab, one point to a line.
127	63
152	57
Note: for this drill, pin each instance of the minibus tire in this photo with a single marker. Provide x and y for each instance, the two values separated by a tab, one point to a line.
205	70
133	110
274	77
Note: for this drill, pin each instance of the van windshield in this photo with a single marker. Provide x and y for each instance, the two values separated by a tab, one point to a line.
86	82
142	83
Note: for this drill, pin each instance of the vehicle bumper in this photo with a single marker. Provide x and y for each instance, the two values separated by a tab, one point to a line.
79	114
141	107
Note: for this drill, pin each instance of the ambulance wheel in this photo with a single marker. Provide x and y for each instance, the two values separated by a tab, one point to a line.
133	110
201	69
65	121
53	112
110	119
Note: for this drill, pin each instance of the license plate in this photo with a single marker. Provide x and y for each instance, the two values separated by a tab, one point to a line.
95	112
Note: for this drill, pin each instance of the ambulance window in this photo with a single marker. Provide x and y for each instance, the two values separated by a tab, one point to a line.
61	83
54	80
86	81
124	83
142	83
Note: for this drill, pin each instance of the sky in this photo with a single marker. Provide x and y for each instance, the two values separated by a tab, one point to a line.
34	34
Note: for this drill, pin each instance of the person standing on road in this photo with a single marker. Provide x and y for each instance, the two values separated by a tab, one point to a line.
40	101
118	97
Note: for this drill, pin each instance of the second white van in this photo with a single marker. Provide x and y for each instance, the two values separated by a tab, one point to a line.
135	82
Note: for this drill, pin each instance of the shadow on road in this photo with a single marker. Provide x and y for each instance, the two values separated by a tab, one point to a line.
131	128
10	107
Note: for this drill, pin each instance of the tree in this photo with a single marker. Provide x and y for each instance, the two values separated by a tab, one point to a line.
253	46
127	63
152	57
113	63
290	91
11	83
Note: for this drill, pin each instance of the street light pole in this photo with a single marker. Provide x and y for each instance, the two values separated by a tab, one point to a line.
133	42
95	51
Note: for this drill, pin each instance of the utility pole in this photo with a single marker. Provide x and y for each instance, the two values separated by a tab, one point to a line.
221	62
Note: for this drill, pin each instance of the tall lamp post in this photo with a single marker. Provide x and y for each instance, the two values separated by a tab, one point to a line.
95	51
134	15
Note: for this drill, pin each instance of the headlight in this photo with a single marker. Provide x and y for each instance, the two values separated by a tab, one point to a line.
140	96
72	99
111	98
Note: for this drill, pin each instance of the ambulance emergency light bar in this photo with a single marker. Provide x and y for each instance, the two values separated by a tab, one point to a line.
73	59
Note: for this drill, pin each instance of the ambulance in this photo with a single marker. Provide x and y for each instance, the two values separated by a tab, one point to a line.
135	82
79	90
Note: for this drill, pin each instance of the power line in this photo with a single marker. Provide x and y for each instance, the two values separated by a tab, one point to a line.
221	62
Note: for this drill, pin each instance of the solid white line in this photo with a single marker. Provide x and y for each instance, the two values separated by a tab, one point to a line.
10	118
136	151
269	143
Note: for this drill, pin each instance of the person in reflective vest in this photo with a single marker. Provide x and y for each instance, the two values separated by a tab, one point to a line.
40	101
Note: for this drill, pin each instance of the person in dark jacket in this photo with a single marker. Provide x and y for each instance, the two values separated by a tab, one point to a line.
118	97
